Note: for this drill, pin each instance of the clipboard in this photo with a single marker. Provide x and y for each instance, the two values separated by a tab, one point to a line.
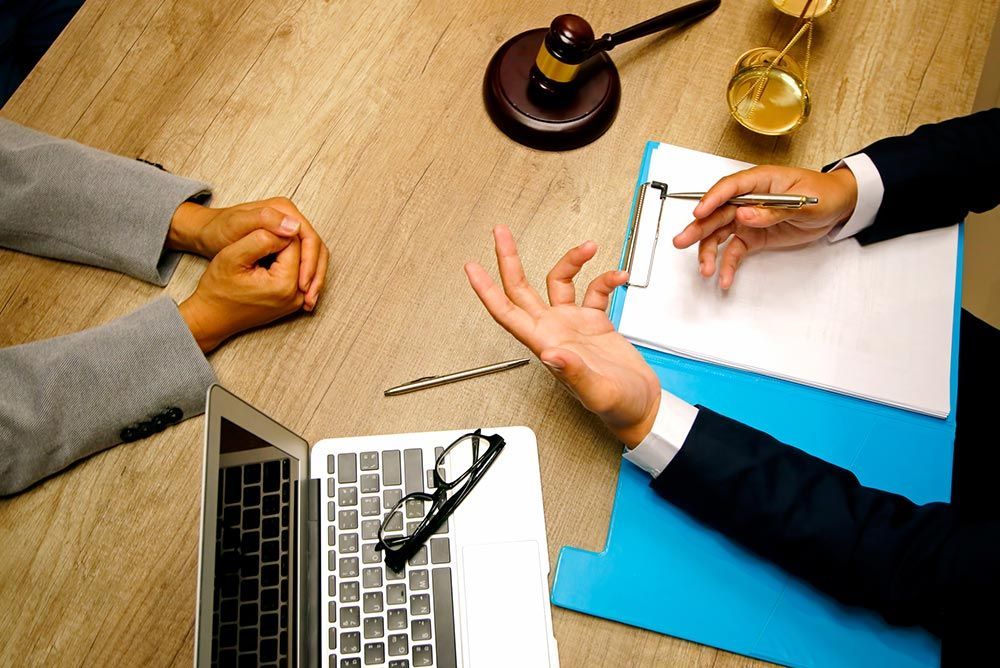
663	571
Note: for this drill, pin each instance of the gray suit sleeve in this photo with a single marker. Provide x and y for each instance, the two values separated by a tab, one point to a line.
66	398
67	201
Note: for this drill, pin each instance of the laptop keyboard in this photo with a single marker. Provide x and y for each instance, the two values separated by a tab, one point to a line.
250	620
376	616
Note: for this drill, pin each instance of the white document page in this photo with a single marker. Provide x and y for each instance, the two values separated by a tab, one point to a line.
873	322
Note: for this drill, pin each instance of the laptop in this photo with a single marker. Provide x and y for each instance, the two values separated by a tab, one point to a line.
289	573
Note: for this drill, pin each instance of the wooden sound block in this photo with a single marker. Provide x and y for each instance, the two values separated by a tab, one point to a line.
569	121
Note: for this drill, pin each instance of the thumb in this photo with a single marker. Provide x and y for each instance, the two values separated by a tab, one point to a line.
244	221
251	248
758	216
571	369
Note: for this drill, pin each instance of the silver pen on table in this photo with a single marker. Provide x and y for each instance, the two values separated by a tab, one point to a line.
768	200
434	381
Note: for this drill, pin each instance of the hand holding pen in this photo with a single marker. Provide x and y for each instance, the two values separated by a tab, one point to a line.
754	227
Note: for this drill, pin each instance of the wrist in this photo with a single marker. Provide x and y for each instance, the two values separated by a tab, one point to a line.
847	187
196	314
185	228
637	432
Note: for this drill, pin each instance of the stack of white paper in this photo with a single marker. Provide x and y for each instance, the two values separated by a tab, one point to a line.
873	322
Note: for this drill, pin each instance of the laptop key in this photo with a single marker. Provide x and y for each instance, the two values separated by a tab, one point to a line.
420	558
347	465
391	497
369	506
347	520
369	529
440	550
414	508
348	567
372	577
347	496
419	580
350	642
350	617
369	483
331	613
369	461
413	469
390	467
348	543
420	604
350	663
395	522
349	592
391	574
399	663
372	602
396	620
398	645
374	627
395	594
330	459
444	617
333	638
421	629
374	653
333	660
369	554
423	655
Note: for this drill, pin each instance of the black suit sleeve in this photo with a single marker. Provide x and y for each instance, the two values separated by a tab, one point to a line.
913	564
935	176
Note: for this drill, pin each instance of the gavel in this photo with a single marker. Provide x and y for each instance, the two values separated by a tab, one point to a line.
557	88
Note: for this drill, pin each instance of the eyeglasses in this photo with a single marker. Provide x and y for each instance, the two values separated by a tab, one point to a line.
434	508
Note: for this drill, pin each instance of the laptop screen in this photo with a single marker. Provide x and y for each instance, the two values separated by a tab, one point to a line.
254	576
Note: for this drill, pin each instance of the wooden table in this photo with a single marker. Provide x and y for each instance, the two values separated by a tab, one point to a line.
368	114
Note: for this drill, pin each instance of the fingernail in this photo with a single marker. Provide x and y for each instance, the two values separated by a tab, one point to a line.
290	225
555	364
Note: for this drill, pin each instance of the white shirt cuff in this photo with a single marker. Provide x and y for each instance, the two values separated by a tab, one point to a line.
870	192
670	429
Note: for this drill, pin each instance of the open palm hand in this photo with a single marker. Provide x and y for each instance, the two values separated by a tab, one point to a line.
577	342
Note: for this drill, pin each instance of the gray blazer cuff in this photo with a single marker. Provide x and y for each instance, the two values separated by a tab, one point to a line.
67	201
66	398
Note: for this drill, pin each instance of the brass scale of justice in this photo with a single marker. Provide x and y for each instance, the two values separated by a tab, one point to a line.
557	88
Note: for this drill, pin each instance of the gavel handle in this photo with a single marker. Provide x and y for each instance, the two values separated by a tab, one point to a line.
674	17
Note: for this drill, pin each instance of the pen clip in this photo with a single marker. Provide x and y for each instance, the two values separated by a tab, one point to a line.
781	205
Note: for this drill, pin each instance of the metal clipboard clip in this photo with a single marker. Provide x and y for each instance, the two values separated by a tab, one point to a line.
642	279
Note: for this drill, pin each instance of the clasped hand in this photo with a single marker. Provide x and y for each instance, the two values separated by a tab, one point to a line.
267	262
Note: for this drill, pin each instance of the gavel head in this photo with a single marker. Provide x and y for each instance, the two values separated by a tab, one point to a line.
566	45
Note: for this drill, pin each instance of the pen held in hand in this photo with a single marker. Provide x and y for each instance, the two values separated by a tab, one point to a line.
434	381
767	200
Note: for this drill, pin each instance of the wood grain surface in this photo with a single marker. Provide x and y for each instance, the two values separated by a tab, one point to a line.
369	115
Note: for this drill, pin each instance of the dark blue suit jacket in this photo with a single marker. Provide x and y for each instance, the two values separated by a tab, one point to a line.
928	565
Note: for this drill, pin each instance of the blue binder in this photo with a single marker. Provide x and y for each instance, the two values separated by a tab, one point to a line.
663	571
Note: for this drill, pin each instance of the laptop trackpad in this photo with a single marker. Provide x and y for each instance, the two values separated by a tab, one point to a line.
505	605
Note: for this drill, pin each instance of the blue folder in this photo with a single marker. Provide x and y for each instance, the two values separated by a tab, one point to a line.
662	570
